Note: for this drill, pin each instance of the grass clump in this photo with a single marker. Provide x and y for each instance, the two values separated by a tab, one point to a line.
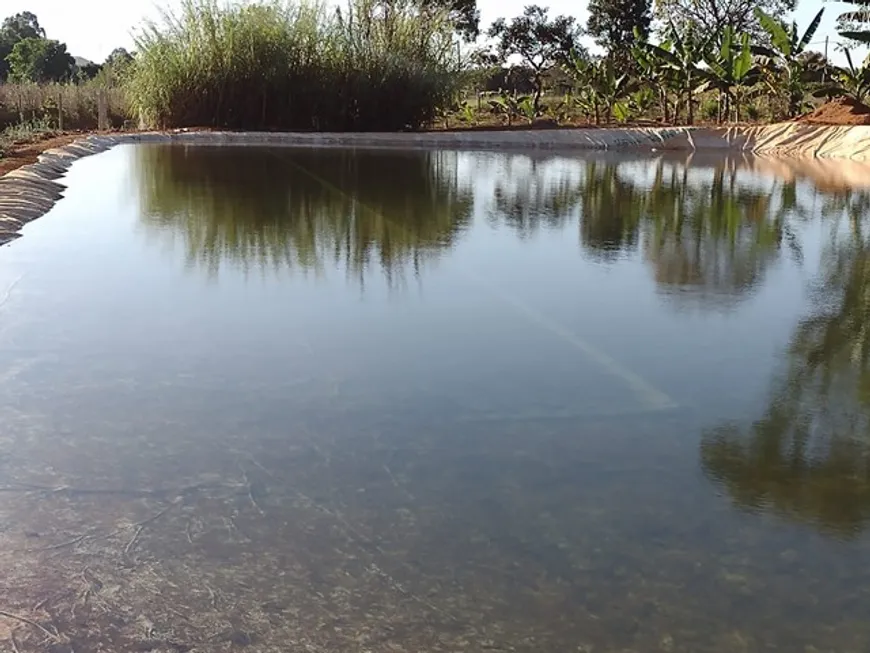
295	65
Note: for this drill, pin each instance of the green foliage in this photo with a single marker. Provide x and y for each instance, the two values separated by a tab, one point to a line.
673	65
296	66
785	68
22	26
462	13
511	105
615	24
27	130
468	112
709	109
729	70
87	72
713	17
599	87
40	60
541	43
753	112
642	100
119	59
14	29
851	81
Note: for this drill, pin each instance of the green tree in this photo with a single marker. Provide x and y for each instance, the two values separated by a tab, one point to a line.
40	60
116	67
14	29
615	24
464	14
540	42
87	71
711	17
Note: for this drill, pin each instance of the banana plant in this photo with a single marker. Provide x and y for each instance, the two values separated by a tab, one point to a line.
729	71
678	57
614	89
599	87
641	100
853	25
512	105
468	113
651	61
529	107
583	73
849	82
786	70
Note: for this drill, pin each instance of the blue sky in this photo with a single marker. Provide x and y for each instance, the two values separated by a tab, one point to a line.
93	28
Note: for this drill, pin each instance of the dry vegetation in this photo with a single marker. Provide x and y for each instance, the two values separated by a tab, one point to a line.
67	106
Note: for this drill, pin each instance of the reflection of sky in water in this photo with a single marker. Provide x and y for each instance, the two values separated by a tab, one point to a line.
456	411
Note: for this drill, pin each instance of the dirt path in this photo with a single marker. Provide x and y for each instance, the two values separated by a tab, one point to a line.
25	153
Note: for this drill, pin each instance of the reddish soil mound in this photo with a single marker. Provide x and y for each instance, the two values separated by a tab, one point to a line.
21	154
842	111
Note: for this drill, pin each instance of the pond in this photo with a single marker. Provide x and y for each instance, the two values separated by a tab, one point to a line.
287	399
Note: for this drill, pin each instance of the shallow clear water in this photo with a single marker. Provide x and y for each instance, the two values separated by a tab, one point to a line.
334	400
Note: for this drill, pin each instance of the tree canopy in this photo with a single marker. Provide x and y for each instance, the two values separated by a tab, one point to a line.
21	26
14	29
539	41
615	23
40	60
119	57
464	14
713	16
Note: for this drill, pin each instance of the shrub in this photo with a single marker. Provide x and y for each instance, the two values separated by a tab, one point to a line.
295	66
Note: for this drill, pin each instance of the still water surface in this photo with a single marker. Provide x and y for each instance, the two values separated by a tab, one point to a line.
334	400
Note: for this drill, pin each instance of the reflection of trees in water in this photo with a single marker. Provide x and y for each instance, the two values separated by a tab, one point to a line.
714	237
611	208
527	197
716	230
809	456
299	207
702	228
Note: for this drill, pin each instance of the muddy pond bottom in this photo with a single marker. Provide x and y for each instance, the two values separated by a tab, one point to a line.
287	399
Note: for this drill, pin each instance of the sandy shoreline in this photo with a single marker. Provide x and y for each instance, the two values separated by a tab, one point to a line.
30	189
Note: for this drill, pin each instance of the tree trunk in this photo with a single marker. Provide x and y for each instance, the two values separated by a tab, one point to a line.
690	107
539	90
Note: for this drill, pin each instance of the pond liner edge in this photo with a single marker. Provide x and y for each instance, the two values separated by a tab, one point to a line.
32	190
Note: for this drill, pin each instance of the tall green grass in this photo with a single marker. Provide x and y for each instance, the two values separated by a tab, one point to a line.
295	65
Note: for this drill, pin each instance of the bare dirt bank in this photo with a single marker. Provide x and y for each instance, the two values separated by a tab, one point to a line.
31	190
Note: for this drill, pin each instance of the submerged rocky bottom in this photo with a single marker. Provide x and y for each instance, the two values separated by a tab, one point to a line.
319	540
